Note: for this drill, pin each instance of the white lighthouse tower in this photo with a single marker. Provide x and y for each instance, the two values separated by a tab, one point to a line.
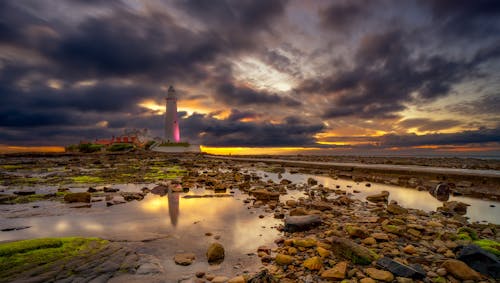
172	133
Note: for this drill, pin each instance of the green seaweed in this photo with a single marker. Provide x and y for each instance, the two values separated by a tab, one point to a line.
11	166
469	231
21	255
86	179
489	246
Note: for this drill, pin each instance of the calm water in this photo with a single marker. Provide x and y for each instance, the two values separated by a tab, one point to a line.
479	210
164	226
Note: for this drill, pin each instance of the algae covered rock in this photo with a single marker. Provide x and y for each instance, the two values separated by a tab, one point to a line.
215	253
352	251
77	197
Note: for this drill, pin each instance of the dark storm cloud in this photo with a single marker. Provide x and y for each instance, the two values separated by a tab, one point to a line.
461	138
425	124
386	76
487	104
237	115
466	19
341	15
240	96
210	131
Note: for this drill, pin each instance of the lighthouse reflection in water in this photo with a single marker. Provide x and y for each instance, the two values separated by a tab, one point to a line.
173	207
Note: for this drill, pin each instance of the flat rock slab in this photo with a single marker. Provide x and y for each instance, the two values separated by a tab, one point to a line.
113	260
301	222
401	270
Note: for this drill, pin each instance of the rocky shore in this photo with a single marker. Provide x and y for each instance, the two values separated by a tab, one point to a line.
326	234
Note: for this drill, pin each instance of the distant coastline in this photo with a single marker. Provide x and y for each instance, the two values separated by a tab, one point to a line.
275	151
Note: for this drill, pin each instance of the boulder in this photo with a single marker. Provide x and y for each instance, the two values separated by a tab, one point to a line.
110	190
301	223
263	277
298	211
160	190
263	194
378	274
283	259
77	197
184	258
350	250
460	270
453	207
356	232
132	196
401	270
394	208
480	260
215	253
237	279
380	197
313	263
304	242
338	272
320	205
312	182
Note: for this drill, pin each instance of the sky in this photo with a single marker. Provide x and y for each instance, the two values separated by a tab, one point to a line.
370	75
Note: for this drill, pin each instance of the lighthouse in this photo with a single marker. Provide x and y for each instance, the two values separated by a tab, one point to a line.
172	133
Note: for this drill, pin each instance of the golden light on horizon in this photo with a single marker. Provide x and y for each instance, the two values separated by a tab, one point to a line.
15	149
255	150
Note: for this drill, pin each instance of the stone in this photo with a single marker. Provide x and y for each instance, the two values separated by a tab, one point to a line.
304	242
312	182
369	241
283	259
380	197
453	207
404	280
401	270
397	230
460	270
291	203
380	237
132	196
396	209
338	272
410	249
301	223
313	263
110	190
77	197
356	232
237	279
160	190
350	250
263	194
220	279
367	280
323	252
298	211
378	274
263	277
480	260
184	259
215	253
320	205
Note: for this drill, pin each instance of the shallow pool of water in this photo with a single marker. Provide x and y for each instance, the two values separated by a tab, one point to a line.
479	209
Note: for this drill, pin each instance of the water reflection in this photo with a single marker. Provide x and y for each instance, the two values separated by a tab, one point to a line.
173	207
479	209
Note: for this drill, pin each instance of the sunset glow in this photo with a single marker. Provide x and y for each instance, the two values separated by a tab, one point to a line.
384	75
